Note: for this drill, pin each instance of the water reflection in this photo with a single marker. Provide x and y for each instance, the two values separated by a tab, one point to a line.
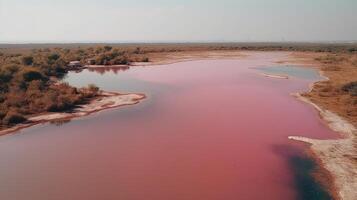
60	122
105	69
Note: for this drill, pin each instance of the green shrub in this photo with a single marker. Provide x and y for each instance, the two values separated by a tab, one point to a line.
31	75
108	48
121	61
2	115
330	59
351	88
351	50
7	72
354	62
13	117
146	59
93	88
12	68
5	76
53	57
27	60
137	50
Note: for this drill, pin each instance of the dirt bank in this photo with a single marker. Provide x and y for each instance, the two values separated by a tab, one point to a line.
338	157
104	101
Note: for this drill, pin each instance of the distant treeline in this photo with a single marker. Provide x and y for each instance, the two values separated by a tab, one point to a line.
172	47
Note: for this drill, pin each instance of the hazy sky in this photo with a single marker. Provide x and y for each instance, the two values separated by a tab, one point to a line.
177	20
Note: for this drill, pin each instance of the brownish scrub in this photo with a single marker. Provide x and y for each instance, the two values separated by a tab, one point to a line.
339	109
105	100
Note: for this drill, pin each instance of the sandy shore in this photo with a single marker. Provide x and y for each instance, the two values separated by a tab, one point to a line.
110	99
275	76
337	156
105	100
165	58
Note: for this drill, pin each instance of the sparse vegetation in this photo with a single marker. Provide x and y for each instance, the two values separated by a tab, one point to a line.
331	59
29	73
351	88
146	59
27	60
339	93
28	79
28	86
352	50
108	48
354	62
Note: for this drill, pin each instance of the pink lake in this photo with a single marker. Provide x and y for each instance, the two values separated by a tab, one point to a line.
209	130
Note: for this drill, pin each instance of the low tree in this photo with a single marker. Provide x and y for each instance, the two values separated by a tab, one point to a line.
13	117
31	75
27	60
108	48
53	57
351	88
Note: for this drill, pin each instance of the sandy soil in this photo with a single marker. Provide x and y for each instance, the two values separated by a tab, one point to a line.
338	157
106	100
165	58
275	76
174	57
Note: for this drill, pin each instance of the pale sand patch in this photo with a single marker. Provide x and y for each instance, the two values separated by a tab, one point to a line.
106	100
105	66
338	156
166	58
275	76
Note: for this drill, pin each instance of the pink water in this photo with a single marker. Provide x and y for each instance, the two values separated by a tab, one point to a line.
209	130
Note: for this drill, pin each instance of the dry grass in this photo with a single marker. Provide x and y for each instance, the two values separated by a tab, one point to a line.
26	71
338	94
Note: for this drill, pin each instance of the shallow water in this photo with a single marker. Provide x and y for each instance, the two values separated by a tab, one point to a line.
292	71
208	130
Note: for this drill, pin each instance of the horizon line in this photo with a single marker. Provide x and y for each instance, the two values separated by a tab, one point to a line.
175	42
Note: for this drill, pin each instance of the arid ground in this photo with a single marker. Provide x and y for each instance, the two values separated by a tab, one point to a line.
335	98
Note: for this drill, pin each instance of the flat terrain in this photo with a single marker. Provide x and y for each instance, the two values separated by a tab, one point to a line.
335	98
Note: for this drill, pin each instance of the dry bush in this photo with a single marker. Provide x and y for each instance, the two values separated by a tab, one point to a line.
146	59
354	62
351	88
27	60
13	117
331	68
331	59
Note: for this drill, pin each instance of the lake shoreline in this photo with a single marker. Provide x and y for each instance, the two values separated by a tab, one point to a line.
334	156
330	155
328	174
336	170
104	101
338	184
